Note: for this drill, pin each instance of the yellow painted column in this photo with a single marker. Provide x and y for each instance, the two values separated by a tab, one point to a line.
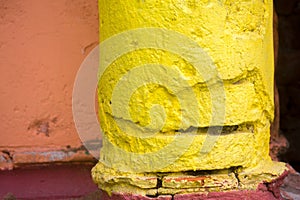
184	85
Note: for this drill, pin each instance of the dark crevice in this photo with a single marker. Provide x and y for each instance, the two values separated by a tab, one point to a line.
208	172
152	196
213	130
198	173
173	196
270	190
158	185
223	130
235	172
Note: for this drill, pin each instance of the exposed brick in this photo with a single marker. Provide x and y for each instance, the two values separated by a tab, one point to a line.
221	181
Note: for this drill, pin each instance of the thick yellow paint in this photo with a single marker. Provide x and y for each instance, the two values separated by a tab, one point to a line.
237	36
112	180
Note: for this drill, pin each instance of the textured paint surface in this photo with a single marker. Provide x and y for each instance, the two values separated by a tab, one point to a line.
270	191
42	45
172	183
239	43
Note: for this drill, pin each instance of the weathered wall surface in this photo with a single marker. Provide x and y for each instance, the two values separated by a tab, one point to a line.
42	44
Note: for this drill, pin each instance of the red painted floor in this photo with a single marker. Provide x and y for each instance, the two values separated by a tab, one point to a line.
50	182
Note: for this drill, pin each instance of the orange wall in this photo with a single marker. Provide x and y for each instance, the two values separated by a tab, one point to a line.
42	44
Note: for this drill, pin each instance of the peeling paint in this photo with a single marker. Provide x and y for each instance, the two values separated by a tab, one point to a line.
6	160
19	157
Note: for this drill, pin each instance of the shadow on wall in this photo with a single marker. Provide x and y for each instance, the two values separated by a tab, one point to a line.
287	77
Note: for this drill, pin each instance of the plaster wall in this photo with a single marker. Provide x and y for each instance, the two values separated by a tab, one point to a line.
42	44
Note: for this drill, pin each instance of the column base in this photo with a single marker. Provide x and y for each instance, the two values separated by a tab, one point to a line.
261	182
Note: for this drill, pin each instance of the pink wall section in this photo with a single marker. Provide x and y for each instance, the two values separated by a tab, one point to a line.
42	44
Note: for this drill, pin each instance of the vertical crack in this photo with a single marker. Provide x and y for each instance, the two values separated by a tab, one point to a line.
236	174
158	185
